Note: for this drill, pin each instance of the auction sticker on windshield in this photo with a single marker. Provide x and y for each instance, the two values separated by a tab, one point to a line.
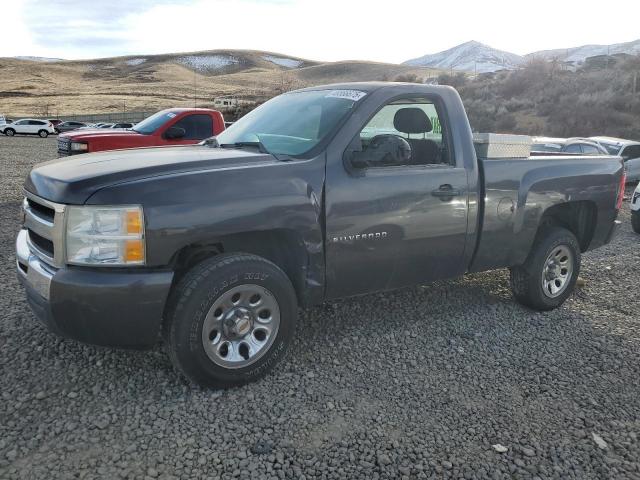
353	95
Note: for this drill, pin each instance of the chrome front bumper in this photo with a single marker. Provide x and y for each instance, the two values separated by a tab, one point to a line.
32	271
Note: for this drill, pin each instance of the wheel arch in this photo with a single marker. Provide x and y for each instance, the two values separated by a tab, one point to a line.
579	217
283	247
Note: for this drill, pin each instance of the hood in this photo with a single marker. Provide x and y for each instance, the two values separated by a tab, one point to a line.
77	135
72	180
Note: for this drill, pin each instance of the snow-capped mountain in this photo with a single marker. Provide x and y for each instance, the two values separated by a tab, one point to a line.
471	56
579	54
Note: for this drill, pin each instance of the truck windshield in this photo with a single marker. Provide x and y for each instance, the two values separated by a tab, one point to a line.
294	123
152	123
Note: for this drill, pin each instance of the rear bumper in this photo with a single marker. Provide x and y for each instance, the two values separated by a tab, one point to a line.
102	307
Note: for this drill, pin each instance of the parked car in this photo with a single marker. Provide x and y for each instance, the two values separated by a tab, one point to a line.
299	202
69	126
175	126
28	126
55	121
4	120
106	125
562	146
635	210
124	125
629	150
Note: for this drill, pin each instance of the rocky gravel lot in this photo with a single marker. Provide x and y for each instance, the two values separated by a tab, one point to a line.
419	383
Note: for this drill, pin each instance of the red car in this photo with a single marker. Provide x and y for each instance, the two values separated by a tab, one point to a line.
174	126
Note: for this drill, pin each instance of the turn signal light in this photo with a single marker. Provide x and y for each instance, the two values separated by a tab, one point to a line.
134	222
134	251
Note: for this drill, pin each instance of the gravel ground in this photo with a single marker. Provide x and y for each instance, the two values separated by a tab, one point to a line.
418	383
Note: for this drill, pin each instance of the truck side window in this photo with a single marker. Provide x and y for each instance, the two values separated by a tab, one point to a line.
196	127
404	132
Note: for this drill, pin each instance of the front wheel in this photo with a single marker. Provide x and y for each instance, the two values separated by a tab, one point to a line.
635	221
231	320
9	132
43	134
549	274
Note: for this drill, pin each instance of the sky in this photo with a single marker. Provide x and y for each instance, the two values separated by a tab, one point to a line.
324	30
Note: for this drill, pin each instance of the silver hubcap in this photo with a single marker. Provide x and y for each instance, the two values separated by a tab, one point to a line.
241	326
557	271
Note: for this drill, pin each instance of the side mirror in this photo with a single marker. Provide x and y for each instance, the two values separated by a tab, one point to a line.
357	161
174	133
382	151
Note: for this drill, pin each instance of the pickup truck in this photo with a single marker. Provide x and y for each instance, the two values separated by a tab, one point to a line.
174	126
318	194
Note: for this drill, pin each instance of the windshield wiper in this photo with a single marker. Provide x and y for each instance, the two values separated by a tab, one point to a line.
259	145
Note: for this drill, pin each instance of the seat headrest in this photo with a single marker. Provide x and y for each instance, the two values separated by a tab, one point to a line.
412	120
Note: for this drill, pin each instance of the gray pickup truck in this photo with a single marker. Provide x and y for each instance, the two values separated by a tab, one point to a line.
318	194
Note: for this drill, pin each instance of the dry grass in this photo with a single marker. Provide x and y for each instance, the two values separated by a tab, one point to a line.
111	84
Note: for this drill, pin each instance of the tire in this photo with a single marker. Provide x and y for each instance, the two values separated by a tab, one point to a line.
213	341
635	221
9	132
539	288
43	134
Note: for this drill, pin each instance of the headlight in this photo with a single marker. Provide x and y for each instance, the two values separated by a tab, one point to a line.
79	147
105	235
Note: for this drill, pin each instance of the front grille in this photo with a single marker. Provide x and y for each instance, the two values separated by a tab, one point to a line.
44	221
64	146
43	244
42	211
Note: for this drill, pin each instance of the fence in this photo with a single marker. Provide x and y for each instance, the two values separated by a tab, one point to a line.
130	117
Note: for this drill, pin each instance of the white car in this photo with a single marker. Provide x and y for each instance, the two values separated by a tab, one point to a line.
629	150
635	210
28	126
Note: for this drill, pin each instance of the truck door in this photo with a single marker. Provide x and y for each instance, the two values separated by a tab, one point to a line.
396	203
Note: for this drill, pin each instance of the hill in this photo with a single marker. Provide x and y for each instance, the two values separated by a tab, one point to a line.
480	58
149	82
542	98
580	54
470	56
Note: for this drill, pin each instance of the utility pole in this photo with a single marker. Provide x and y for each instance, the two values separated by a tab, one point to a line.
124	109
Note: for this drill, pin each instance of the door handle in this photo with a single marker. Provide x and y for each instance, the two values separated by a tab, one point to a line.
445	190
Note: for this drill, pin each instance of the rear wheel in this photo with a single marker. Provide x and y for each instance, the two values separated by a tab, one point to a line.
635	221
9	132
231	320
549	274
43	134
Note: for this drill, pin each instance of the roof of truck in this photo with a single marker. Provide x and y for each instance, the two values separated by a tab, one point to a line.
372	86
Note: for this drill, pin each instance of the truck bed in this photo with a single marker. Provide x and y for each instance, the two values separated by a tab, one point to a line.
516	192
